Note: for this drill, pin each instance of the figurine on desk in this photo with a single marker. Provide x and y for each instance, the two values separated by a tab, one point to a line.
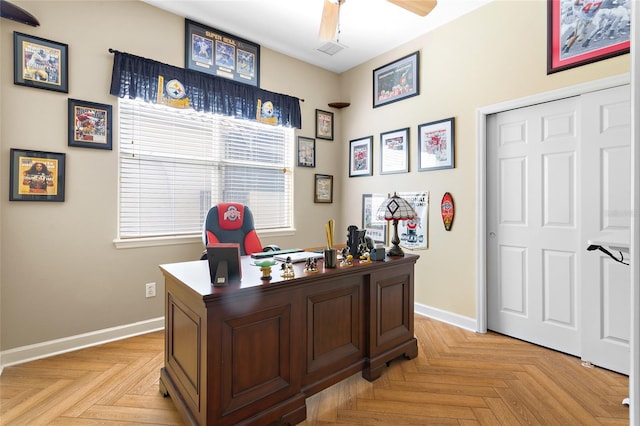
311	265
287	269
357	242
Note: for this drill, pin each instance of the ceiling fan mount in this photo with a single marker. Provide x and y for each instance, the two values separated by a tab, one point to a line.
331	12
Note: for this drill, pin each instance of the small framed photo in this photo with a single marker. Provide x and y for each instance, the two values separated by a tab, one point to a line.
217	53
397	81
306	152
361	157
394	151
579	33
40	63
376	228
436	145
323	189
89	124
36	176
324	125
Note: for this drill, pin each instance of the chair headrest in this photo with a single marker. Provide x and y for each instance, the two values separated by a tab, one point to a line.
230	216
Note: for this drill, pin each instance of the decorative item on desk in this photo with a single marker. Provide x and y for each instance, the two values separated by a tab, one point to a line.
377	253
311	265
265	267
395	209
330	253
356	241
287	269
224	263
447	210
346	260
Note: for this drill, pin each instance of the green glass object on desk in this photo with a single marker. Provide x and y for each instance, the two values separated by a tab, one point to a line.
265	267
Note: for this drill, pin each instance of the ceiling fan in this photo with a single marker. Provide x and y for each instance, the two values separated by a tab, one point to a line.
331	11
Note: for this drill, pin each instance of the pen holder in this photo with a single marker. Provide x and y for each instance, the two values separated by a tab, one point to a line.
330	258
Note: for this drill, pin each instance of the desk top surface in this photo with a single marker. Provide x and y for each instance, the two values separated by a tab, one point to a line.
196	275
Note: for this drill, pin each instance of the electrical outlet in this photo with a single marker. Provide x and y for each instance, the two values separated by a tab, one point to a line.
150	289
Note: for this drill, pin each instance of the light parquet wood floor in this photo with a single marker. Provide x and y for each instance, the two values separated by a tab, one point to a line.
459	378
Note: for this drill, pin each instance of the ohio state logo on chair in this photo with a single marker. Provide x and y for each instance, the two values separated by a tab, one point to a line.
231	222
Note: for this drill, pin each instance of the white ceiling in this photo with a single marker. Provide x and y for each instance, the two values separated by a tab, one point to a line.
368	28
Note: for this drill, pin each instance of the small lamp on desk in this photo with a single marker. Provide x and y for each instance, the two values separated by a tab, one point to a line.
396	208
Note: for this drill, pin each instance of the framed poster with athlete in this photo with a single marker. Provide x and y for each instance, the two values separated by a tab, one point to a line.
214	52
89	124
40	63
36	175
586	31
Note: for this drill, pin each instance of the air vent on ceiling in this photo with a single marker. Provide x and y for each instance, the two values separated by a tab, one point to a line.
331	48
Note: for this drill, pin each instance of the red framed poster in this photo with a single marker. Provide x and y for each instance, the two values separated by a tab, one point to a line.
580	32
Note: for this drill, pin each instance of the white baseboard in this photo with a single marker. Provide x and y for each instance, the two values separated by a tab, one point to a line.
447	317
72	343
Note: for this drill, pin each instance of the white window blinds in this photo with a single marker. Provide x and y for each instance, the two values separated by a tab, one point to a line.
175	164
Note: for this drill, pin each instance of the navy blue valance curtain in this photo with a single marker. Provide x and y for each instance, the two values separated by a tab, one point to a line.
141	78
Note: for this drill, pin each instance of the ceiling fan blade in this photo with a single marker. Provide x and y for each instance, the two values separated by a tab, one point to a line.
419	7
18	14
329	21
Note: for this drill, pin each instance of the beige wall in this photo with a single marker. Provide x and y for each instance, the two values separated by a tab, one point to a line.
60	273
494	54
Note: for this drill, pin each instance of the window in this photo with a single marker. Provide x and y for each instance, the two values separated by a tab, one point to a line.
176	163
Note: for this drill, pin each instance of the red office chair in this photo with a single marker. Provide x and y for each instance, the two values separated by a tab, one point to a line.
231	223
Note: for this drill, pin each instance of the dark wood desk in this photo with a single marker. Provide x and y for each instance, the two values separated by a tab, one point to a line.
252	352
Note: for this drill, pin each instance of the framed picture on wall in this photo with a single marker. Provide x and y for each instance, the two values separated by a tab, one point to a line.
376	228
361	157
40	63
89	124
394	151
324	125
215	52
36	175
396	81
323	189
306	152
579	33
436	145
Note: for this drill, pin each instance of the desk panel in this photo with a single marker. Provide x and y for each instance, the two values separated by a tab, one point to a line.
252	352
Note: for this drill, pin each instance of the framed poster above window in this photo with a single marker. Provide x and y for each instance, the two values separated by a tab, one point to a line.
217	53
579	33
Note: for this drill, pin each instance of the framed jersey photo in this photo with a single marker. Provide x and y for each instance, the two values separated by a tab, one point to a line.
580	32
